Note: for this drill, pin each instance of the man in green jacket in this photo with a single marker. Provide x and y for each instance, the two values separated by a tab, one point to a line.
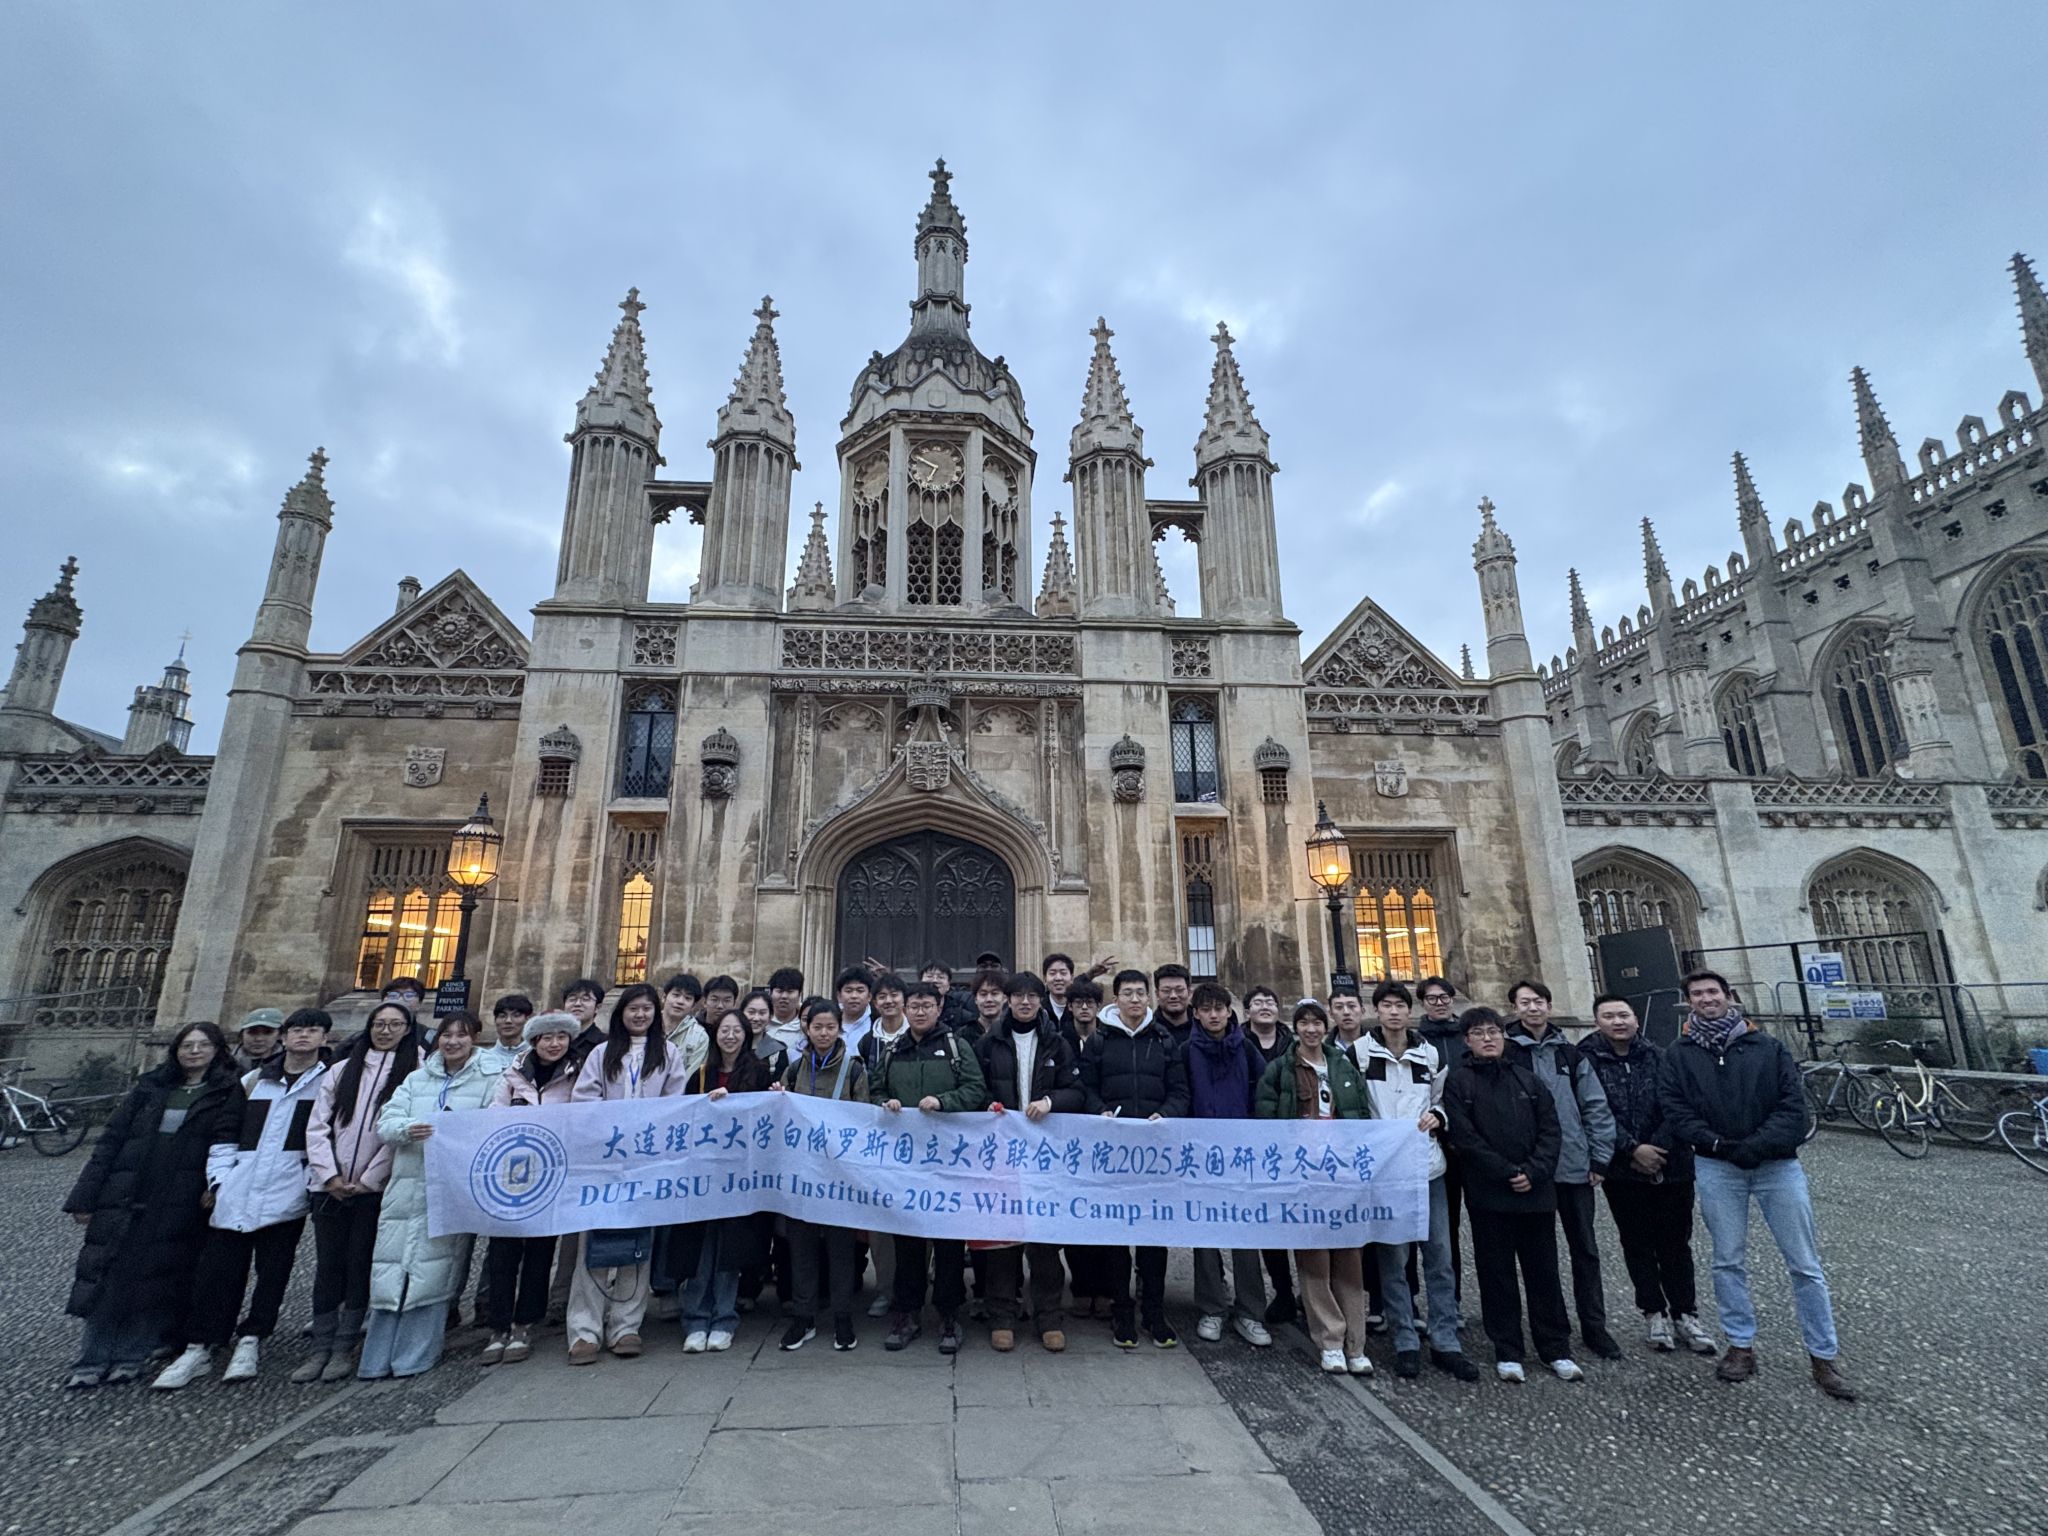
928	1069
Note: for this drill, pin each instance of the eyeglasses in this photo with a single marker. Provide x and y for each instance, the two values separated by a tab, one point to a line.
1483	1032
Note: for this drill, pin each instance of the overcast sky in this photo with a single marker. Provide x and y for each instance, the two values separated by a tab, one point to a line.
1568	256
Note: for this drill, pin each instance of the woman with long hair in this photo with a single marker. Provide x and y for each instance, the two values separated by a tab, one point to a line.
347	1165
608	1302
707	1256
140	1199
413	1275
825	1069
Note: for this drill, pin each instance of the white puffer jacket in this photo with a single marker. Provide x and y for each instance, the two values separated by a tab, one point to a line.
260	1180
1404	1088
409	1269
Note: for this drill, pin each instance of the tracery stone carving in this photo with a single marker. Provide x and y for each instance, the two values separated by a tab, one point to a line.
895	649
654	643
1191	659
423	766
162	779
1376	678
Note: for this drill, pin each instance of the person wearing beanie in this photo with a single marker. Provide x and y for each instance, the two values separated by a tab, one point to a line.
517	1268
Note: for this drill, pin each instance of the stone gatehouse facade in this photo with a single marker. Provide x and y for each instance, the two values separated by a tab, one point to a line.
915	752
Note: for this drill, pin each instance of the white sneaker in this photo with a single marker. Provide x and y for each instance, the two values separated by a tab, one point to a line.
1659	1330
197	1361
1333	1361
243	1362
721	1338
1567	1370
1253	1332
880	1306
1359	1365
1210	1328
693	1344
1509	1370
1693	1336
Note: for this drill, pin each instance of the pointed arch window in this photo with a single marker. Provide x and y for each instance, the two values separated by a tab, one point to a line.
1196	774
1876	916
412	914
1735	714
1639	747
1621	893
1397	913
108	931
867	555
647	749
638	854
1198	898
1859	700
999	499
2012	637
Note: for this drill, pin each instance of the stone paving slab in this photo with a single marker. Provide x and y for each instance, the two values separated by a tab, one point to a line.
839	1394
575	1456
611	1514
1019	1507
767	1471
410	1469
908	1520
1258	1505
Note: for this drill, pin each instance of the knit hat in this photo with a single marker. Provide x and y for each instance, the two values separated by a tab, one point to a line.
556	1023
264	1018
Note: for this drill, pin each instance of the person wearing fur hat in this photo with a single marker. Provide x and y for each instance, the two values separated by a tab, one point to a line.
517	1267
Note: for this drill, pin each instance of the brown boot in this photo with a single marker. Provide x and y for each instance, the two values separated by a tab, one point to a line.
1832	1381
1002	1340
1739	1364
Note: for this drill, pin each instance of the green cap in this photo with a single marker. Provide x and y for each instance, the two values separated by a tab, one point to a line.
264	1018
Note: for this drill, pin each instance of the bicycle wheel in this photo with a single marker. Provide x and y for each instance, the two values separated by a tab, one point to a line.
1858	1095
2025	1135
1966	1111
1904	1131
1813	1098
58	1133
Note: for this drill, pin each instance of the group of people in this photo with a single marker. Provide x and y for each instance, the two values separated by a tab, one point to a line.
216	1161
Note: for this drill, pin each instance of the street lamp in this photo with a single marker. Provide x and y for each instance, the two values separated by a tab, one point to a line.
472	865
1329	866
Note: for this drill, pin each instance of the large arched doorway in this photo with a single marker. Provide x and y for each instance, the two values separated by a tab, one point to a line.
925	896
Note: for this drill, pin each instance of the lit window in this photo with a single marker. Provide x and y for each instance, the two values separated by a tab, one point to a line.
1400	926
411	915
636	920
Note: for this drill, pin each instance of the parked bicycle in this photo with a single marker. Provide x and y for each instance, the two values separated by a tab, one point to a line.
2025	1134
51	1128
1906	1110
1835	1088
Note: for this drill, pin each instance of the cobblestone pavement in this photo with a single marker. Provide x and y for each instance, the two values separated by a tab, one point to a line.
1936	1269
1933	1265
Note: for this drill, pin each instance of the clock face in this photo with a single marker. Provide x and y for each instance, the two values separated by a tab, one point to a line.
871	479
935	466
997	483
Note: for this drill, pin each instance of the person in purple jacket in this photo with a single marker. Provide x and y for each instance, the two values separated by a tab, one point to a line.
1223	1084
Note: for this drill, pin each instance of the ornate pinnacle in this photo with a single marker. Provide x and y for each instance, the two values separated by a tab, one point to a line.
309	497
2033	317
1880	448
620	397
757	403
1465	664
1582	617
813	590
1106	425
1230	428
1492	543
1056	587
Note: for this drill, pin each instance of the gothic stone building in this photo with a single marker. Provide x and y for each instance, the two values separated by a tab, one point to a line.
909	753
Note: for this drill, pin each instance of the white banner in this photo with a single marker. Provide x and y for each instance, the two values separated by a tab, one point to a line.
976	1175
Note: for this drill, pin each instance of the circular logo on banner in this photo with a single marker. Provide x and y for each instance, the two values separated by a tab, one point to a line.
517	1171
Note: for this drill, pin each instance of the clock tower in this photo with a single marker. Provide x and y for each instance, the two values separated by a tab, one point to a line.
935	454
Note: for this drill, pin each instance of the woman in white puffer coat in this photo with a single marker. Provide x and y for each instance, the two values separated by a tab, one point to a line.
412	1275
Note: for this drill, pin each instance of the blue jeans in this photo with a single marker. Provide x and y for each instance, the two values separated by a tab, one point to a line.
121	1336
711	1295
1439	1282
1779	1189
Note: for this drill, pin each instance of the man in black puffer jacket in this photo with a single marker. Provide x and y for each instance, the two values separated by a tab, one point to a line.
1649	1179
1733	1095
1132	1068
1028	1066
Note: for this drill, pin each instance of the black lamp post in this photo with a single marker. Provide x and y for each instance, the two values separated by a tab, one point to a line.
1329	866
472	865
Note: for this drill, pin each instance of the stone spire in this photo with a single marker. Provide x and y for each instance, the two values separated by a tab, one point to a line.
620	399
607	549
1239	551
2033	318
1105	425
1596	736
1465	664
1880	448
1500	598
746	520
1582	617
1160	591
941	302
1656	575
1229	427
46	636
813	591
1757	541
757	404
285	618
1106	465
1057	598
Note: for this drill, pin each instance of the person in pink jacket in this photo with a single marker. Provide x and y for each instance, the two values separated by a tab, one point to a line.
347	1163
516	1268
635	1062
